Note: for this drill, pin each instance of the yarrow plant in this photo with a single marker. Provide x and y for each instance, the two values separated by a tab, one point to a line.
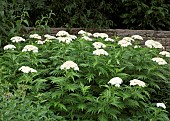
35	36
116	81
91	76
68	65
137	82
17	39
162	105
30	48
100	52
26	69
153	44
159	60
7	47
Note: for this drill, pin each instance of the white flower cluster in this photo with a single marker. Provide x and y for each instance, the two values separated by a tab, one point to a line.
68	65
64	39
17	39
30	48
101	35
47	36
167	54
159	60
162	105
87	38
98	45
116	81
62	33
137	37
12	47
35	36
100	52
40	42
124	43
64	36
128	39
153	44
84	33
26	69
137	82
109	39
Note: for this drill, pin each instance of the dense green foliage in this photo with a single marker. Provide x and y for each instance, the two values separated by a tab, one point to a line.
53	93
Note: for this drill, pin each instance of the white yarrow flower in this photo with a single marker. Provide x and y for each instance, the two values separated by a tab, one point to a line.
49	37
159	60
128	39
138	37
98	45
109	39
62	33
137	82
64	39
87	38
12	47
116	81
100	52
161	105
35	36
68	65
73	36
40	42
17	39
26	69
153	44
30	48
167	54
124	43
101	35
82	32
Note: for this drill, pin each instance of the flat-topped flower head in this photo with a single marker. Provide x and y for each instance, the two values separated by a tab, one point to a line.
26	69
98	45
9	47
109	39
162	105
116	81
87	38
84	33
64	39
35	36
49	37
165	53
72	37
30	48
137	37
137	82
40	42
124	43
68	65
100	52
101	35
128	39
17	39
153	44
159	60
62	33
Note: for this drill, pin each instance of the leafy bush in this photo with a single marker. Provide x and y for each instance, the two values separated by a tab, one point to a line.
146	15
69	78
13	17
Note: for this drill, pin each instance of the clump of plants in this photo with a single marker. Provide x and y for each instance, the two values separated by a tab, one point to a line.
86	77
